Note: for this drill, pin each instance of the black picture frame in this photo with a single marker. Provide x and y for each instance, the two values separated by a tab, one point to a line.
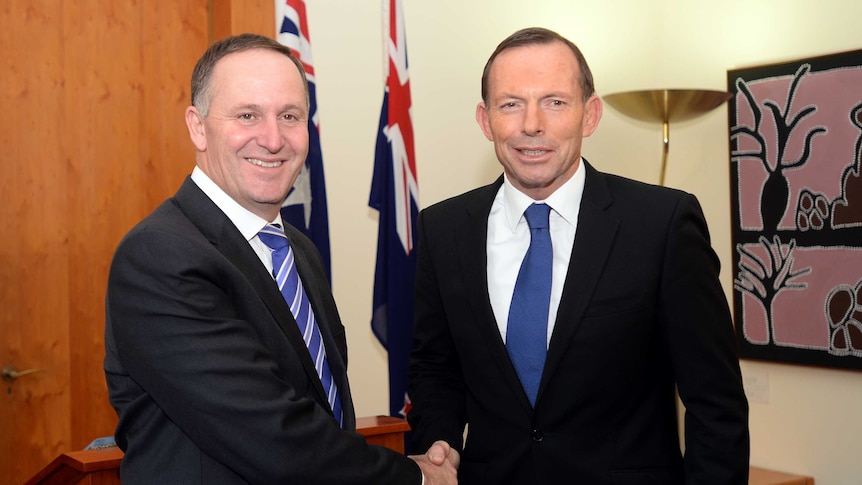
796	210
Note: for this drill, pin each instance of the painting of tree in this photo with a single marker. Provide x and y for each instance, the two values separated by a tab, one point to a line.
796	205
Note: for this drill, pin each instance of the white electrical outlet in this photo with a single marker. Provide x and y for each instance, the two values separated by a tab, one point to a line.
756	384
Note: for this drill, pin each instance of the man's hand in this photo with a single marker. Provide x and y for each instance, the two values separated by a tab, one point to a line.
439	464
440	451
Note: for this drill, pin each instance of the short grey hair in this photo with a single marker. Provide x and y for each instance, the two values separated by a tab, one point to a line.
202	73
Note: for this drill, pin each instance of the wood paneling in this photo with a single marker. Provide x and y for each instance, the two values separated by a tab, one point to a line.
34	268
132	88
232	17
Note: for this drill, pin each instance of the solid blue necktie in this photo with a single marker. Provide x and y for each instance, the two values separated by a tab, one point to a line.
287	278
527	328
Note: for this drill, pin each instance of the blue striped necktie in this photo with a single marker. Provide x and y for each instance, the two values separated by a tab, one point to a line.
527	327
287	278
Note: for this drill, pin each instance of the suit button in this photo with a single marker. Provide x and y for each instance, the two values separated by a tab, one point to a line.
537	436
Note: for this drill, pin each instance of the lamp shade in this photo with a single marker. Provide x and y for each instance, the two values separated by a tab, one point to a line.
666	105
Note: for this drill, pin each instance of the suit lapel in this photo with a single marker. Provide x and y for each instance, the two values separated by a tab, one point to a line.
221	232
593	240
473	257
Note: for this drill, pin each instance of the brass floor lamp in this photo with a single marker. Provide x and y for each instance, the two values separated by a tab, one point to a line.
664	106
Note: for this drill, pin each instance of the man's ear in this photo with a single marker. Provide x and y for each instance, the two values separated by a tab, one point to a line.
593	110
197	131
484	121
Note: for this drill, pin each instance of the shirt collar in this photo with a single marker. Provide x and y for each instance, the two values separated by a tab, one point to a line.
565	201
248	223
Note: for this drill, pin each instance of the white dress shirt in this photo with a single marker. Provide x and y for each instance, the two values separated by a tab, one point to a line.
509	239
248	223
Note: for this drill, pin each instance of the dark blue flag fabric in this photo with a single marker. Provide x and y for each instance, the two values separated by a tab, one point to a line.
305	206
394	193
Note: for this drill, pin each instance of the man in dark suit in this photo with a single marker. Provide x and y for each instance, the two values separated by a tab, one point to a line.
206	365
631	307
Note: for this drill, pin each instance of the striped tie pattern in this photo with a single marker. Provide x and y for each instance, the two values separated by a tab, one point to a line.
287	278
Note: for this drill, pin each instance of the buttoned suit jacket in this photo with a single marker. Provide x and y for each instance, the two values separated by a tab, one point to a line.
207	370
642	311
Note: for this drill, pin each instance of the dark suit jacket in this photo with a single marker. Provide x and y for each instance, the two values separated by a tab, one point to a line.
642	310
207	370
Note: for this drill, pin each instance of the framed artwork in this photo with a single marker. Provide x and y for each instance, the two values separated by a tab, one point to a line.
796	202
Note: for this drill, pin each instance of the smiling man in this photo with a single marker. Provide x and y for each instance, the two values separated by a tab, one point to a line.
558	308
226	359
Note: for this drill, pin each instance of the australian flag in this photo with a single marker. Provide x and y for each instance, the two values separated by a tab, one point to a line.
305	205
395	194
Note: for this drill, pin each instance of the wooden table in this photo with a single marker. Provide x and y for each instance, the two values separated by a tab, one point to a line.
383	431
761	476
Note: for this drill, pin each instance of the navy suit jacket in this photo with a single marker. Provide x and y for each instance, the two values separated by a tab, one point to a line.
642	311
208	371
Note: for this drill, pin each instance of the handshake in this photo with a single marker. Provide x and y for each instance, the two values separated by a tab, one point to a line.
439	464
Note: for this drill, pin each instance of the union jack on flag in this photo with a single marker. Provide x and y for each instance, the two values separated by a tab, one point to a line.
395	194
305	205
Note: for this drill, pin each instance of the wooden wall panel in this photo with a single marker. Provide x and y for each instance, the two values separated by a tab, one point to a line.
132	86
231	17
101	50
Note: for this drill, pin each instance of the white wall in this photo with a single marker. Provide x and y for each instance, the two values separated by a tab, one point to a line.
810	422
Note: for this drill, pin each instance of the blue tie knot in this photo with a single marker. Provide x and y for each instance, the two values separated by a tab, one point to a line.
273	236
537	216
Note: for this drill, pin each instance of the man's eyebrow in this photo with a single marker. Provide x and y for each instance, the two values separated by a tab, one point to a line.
247	106
257	107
